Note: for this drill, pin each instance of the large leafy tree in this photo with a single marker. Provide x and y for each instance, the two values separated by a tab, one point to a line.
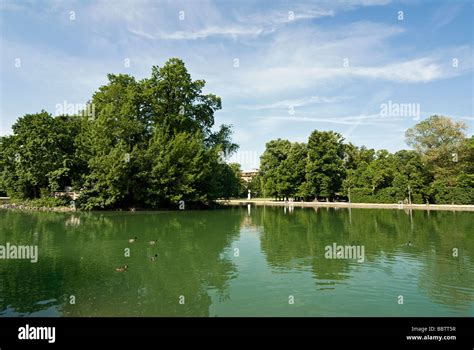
178	164
325	165
380	172
174	100
275	178
410	176
232	183
283	169
111	143
293	170
355	156
465	177
39	156
356	162
151	142
440	140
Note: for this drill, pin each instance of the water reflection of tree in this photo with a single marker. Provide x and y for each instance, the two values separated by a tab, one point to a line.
80	260
298	239
79	257
445	278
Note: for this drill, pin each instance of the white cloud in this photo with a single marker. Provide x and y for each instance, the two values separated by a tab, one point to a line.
223	25
370	119
280	59
313	58
301	102
446	14
273	79
423	69
141	33
212	31
278	17
240	27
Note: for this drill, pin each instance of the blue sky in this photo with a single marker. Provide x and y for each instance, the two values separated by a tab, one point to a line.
282	68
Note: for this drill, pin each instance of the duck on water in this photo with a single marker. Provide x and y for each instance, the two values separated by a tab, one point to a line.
122	268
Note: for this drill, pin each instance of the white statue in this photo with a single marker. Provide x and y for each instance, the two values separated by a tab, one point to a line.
249	195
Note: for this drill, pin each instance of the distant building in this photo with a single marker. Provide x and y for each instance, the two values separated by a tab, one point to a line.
247	176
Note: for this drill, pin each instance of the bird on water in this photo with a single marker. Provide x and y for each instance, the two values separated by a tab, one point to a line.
122	268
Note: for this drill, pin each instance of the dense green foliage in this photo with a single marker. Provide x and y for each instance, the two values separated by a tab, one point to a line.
40	154
440	169
324	165
149	143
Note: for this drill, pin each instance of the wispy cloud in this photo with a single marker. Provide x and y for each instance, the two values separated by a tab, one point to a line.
237	26
141	33
370	119
290	54
299	62
301	102
419	70
214	31
445	15
242	27
278	17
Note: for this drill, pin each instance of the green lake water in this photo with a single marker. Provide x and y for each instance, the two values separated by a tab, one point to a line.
240	261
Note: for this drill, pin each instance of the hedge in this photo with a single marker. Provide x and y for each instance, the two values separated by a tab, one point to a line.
454	195
444	195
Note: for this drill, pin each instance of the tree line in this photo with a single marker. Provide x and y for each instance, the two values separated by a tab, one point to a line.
152	143
439	169
149	143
